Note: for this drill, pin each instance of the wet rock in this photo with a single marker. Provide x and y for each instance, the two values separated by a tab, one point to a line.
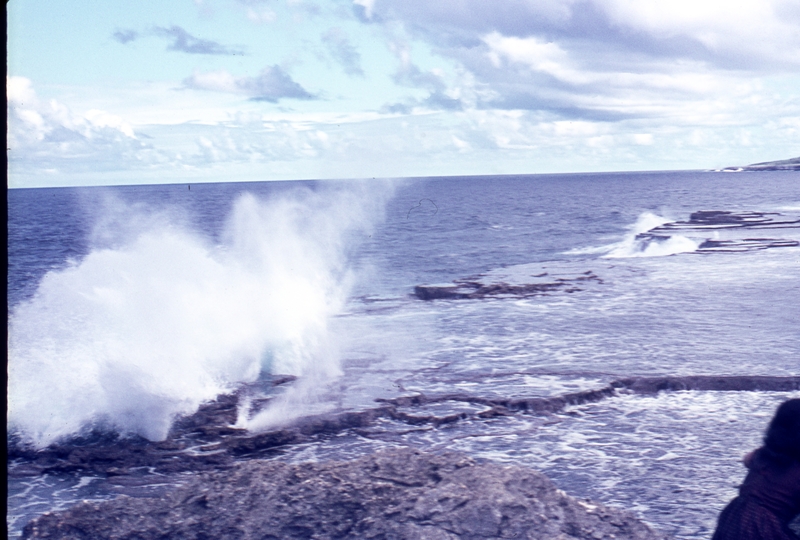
723	217
260	442
500	406
744	383
400	494
745	244
556	404
519	281
194	446
730	232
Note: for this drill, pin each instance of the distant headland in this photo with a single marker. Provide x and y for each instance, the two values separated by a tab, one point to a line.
783	165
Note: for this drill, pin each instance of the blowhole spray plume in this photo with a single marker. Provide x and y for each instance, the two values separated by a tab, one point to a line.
147	327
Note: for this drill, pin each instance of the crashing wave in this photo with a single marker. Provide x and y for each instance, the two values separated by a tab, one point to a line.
707	231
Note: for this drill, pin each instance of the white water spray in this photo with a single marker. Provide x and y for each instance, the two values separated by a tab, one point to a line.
145	330
634	246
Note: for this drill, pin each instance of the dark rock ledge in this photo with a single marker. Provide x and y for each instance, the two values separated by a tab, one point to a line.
731	231
205	440
639	385
396	494
520	281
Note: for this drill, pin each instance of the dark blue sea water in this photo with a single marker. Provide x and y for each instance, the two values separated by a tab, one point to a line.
133	305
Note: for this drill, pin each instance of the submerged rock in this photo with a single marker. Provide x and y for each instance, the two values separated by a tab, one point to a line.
729	232
400	494
518	281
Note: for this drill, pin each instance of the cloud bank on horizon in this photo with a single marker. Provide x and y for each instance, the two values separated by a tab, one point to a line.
216	90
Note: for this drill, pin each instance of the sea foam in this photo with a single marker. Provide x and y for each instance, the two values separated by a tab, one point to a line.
161	319
633	245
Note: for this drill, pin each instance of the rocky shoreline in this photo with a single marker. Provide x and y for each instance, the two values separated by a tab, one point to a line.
215	454
207	441
792	164
396	494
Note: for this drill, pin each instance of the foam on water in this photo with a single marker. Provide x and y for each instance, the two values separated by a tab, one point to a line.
674	458
157	319
634	246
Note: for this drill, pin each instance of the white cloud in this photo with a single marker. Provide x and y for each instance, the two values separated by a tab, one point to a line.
603	59
217	81
538	55
183	41
47	134
367	5
759	35
752	34
550	59
473	87
103	119
19	90
340	48
600	60
271	84
260	15
32	121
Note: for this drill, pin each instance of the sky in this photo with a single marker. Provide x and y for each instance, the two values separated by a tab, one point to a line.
105	92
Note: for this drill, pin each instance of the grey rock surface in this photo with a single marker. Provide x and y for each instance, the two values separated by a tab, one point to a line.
396	494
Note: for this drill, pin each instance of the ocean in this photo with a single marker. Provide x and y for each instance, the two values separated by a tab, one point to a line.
131	306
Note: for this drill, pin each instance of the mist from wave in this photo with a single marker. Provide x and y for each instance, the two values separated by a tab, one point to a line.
634	244
157	318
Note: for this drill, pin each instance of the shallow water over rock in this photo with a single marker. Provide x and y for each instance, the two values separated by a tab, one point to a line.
633	371
596	444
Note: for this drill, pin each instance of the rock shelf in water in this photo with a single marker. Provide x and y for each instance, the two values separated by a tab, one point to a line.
518	281
706	231
723	231
206	441
400	494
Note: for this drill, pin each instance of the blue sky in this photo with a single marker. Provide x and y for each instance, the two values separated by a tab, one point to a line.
111	92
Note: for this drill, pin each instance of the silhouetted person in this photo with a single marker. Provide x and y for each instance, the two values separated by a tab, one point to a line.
769	498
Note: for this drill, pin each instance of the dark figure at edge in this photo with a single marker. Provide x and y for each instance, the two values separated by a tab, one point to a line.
769	498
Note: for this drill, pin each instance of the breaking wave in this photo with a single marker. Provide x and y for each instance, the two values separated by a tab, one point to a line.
152	324
637	244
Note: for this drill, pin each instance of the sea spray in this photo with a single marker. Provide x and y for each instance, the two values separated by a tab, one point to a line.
156	318
633	245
